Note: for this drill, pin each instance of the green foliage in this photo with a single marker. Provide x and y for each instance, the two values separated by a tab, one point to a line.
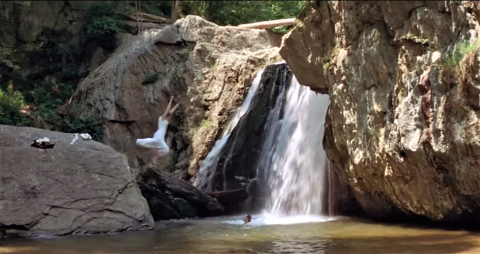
150	78
53	74
101	19
461	49
102	22
214	66
159	8
72	122
241	12
205	123
11	102
326	65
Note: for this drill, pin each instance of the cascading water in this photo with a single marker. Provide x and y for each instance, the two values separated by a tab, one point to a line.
205	173
294	162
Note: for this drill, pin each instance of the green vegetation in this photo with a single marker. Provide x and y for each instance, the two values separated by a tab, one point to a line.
10	104
229	12
326	65
34	94
213	67
241	12
461	49
205	123
103	21
159	8
150	78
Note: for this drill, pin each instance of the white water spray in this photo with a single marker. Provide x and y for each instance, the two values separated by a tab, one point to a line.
203	180
293	160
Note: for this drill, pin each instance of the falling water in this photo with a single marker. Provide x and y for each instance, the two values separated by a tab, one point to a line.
293	161
203	179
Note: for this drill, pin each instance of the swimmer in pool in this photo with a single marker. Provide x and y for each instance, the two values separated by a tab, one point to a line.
247	218
157	143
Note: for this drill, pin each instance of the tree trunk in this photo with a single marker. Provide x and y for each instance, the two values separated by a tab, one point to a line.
140	13
269	24
174	10
137	16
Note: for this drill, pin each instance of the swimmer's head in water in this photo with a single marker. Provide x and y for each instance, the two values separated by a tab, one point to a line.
247	218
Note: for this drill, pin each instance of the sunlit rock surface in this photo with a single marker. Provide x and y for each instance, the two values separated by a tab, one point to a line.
402	131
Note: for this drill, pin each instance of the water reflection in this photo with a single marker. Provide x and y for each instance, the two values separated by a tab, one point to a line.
216	235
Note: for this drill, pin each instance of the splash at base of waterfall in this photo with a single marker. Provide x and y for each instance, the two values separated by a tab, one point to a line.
293	163
273	219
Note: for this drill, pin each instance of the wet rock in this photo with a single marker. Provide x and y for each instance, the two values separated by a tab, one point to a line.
238	160
402	131
70	189
232	200
173	198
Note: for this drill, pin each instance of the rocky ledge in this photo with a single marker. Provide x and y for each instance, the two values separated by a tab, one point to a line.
79	188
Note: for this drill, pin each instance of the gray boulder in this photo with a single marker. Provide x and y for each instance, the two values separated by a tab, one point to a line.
86	187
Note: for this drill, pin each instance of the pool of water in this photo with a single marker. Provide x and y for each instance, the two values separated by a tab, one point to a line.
265	234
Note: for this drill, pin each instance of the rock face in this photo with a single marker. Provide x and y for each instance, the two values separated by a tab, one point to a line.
402	132
172	198
207	67
25	22
86	187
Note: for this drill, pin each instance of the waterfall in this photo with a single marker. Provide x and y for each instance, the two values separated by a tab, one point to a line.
207	168
293	162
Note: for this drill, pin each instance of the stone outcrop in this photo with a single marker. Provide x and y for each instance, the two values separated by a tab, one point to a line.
402	129
86	187
208	68
173	198
24	23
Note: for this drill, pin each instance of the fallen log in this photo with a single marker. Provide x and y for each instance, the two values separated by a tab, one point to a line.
269	24
145	17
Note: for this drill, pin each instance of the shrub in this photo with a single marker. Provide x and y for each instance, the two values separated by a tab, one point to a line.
150	78
461	49
72	122
102	22
10	104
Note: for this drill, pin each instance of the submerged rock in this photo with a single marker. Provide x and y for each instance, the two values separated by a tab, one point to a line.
70	189
173	198
402	129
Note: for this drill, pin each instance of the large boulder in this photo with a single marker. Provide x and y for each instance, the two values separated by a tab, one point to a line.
402	129
208	67
86	187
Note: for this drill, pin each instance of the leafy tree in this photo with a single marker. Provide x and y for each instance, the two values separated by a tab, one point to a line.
241	12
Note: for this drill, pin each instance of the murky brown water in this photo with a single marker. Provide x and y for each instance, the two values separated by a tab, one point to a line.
342	236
